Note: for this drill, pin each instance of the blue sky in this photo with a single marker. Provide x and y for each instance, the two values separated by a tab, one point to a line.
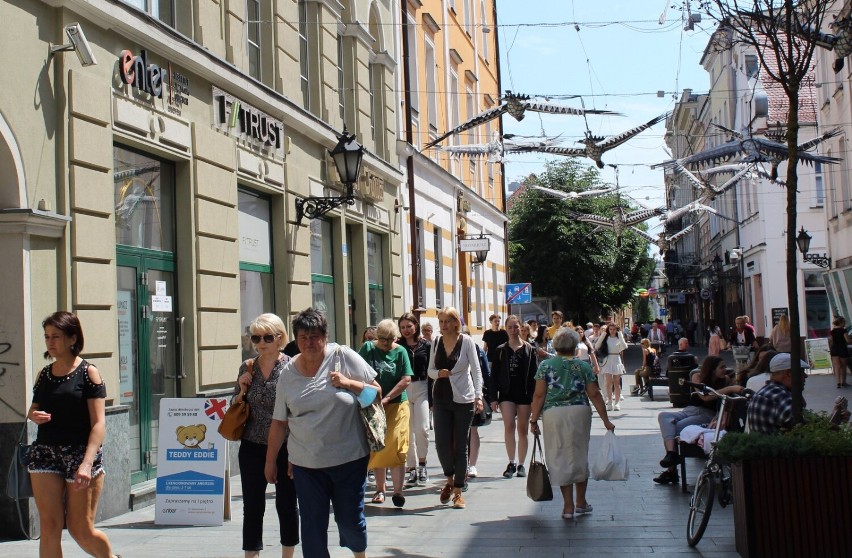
618	60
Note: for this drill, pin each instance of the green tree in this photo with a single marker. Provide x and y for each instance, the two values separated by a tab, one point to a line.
585	273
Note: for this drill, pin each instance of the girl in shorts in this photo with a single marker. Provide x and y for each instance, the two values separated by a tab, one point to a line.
66	460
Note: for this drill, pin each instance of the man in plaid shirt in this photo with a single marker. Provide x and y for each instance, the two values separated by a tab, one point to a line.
770	411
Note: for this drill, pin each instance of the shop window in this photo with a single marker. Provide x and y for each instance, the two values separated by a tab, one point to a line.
257	294
144	201
322	273
375	276
174	13
817	311
437	242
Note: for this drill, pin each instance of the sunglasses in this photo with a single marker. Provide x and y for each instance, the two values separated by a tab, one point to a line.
386	339
268	338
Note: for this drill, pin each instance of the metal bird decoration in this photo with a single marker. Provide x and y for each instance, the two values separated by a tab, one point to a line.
707	189
574	195
663	241
516	105
596	146
752	149
751	168
620	221
497	148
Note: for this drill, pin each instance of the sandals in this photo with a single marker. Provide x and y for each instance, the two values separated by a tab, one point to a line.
379	498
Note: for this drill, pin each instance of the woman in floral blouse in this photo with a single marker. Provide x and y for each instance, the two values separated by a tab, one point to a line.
564	388
257	381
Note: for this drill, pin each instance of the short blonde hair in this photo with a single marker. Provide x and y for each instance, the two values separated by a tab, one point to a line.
387	328
269	323
453	314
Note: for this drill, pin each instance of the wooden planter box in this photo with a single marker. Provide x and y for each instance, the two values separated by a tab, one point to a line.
793	507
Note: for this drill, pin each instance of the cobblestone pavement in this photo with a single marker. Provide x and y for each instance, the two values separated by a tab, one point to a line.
630	518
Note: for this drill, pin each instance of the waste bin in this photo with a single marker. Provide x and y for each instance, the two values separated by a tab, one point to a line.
679	393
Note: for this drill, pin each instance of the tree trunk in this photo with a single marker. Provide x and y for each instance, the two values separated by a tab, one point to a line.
792	252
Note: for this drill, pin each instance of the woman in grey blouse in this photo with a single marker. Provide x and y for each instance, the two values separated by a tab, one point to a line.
258	379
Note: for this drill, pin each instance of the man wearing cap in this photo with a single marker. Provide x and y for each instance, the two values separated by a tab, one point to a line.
770	411
590	330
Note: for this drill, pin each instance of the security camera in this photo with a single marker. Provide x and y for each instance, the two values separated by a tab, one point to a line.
78	44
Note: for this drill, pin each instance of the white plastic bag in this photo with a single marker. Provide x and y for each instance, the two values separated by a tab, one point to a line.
610	463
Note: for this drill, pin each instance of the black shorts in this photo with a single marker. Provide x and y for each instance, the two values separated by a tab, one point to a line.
61	460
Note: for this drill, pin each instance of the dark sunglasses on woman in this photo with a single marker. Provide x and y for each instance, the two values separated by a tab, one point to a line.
268	338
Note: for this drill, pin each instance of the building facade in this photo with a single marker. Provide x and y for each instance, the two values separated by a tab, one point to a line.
742	247
835	112
154	194
449	73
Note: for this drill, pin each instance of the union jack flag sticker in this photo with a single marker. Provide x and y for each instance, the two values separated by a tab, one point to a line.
215	408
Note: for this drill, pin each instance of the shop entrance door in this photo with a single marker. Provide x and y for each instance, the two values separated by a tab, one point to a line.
148	363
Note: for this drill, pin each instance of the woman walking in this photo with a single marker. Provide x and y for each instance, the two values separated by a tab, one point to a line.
610	345
839	350
457	394
393	372
512	388
565	389
316	399
780	336
66	460
418	350
257	382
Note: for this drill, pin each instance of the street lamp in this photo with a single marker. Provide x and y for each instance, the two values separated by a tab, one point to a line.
717	263
347	155
482	254
803	241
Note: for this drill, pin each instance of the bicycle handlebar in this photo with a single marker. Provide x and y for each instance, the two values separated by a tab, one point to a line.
707	390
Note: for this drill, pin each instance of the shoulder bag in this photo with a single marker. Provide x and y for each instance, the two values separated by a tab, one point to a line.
538	479
372	414
18	486
234	422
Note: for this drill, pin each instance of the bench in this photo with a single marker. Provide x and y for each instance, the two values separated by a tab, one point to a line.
655	379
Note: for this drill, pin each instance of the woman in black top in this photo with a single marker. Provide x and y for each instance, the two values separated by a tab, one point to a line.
418	397
512	387
66	460
839	350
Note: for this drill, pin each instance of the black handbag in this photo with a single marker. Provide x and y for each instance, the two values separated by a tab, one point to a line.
538	479
18	485
482	418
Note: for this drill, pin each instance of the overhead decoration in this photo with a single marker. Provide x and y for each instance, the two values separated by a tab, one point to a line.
596	146
497	148
516	105
751	149
575	195
705	187
664	241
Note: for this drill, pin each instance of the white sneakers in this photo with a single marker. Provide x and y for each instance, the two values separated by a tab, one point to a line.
471	472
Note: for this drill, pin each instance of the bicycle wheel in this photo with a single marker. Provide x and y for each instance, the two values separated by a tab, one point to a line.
700	507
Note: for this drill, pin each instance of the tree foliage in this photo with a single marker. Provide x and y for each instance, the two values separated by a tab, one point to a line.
586	274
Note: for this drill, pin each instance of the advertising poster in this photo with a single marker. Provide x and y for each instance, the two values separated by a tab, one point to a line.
126	335
191	465
817	353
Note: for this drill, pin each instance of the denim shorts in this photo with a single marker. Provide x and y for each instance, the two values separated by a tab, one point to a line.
61	460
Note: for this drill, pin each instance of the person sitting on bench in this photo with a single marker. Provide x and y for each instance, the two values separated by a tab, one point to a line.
643	375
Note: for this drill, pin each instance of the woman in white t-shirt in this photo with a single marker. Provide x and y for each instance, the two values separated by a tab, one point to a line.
610	345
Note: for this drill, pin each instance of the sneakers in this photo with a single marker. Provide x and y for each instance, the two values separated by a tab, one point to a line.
422	474
667	477
521	472
446	492
582	511
616	407
398	500
510	471
621	397
458	499
371	477
636	390
609	405
670	460
472	472
412	478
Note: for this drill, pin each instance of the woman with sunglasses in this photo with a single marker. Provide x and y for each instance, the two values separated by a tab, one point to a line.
257	382
393	372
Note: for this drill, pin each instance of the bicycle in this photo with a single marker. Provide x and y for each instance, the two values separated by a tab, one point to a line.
715	473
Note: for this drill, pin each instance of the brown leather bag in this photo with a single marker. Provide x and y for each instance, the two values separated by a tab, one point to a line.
234	422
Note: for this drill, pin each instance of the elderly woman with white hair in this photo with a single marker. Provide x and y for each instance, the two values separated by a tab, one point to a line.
564	392
393	369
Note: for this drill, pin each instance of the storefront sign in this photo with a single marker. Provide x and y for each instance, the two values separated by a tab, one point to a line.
246	122
474	244
126	337
154	79
817	353
776	315
191	462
